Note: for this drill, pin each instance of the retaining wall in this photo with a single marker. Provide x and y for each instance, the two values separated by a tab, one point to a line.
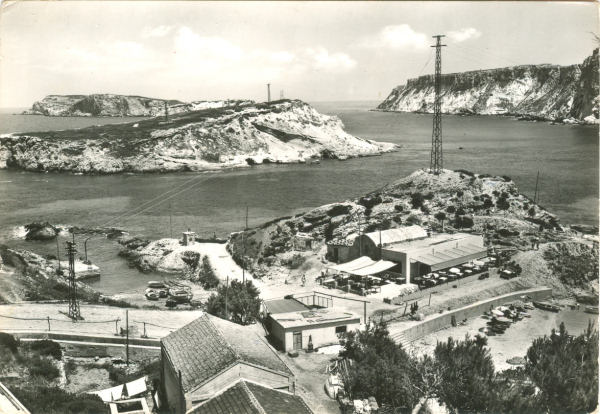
400	300
437	322
100	346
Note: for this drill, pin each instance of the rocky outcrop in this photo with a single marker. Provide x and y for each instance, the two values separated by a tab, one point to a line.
118	105
278	132
547	92
40	231
451	201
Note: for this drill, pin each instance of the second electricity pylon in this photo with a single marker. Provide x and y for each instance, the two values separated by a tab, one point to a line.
74	312
268	92
437	161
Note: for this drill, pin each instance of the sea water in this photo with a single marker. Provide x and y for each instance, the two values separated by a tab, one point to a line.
214	203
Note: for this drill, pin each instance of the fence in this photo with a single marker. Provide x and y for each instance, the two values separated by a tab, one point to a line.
98	327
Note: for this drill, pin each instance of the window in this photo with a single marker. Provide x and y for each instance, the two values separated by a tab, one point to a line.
340	330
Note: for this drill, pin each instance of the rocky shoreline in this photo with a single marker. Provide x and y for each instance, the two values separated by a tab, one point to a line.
286	131
557	94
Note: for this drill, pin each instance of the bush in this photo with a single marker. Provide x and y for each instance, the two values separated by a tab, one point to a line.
55	400
207	277
451	209
416	200
8	341
42	367
46	347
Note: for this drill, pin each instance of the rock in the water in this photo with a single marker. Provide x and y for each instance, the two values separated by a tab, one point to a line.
40	231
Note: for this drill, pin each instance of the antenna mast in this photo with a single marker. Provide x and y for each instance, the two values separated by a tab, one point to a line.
437	162
74	311
268	92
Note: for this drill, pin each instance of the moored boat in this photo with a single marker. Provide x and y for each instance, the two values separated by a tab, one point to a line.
546	306
157	285
591	309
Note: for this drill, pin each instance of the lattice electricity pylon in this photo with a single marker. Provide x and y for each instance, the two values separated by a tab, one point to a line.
74	311
437	160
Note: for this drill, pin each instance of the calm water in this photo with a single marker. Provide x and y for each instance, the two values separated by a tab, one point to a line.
566	156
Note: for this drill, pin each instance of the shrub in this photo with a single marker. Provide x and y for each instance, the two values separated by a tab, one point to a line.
57	401
46	347
416	200
42	367
399	207
8	341
207	277
451	209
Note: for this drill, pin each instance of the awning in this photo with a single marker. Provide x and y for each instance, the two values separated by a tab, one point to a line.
136	387
377	267
353	265
110	394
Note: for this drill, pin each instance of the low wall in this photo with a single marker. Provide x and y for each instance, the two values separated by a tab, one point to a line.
398	300
98	346
437	322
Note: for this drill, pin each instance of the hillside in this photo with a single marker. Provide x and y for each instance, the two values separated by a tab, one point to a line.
469	202
241	134
550	92
117	105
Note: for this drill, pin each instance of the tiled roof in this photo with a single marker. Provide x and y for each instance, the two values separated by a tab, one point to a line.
208	345
249	398
284	305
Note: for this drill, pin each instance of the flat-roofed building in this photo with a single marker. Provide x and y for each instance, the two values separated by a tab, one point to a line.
294	330
439	251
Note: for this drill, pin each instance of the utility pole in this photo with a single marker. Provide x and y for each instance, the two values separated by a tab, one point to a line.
244	249
281	94
226	289
535	195
268	92
166	112
127	336
171	220
437	162
57	252
74	311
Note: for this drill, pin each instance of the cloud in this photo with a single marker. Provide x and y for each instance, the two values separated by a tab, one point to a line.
158	31
321	59
189	43
400	36
463	34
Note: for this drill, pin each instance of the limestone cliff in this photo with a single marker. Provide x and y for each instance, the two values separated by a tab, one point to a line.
241	134
549	92
117	105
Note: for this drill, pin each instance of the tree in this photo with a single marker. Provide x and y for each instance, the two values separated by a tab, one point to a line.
466	375
243	303
380	368
565	369
440	216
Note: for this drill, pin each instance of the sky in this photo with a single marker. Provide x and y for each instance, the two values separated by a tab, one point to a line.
314	51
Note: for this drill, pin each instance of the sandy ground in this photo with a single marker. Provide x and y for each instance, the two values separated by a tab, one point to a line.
517	338
99	320
309	370
10	287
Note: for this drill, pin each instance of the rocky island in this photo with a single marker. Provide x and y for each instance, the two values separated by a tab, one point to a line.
105	104
566	94
241	134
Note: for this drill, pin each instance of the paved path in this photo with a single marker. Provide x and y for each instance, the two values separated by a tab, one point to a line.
99	320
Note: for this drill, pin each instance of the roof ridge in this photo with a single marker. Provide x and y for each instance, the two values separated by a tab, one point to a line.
252	398
238	357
